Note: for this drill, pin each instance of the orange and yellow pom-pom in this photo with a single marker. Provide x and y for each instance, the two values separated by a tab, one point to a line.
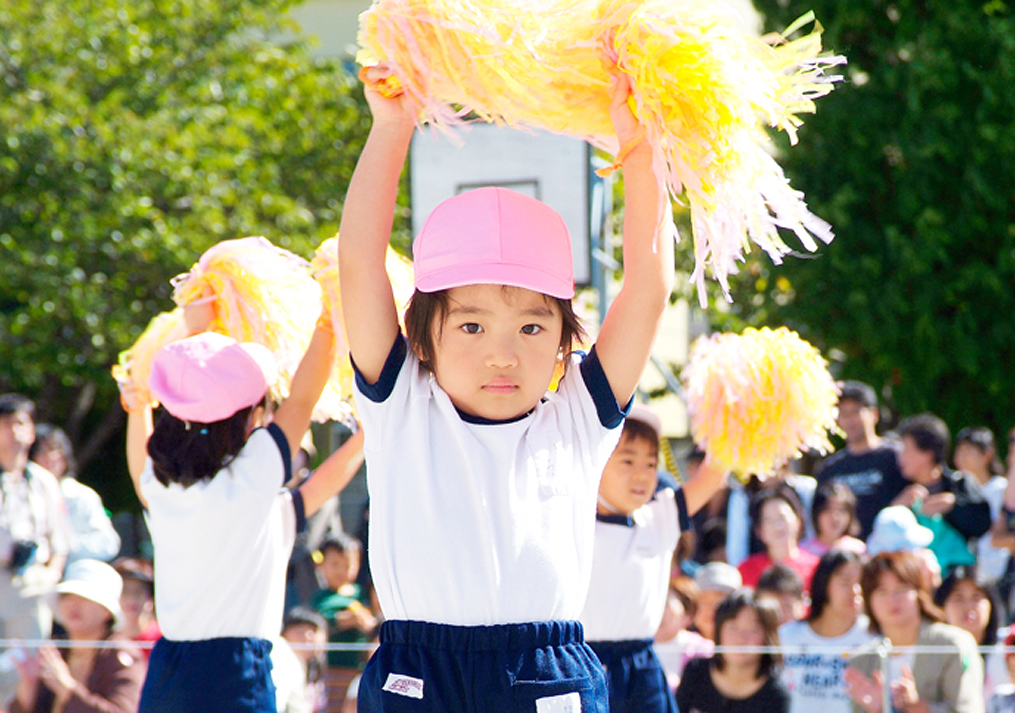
705	89
759	398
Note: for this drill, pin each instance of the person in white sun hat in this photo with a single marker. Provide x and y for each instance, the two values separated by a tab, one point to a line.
83	679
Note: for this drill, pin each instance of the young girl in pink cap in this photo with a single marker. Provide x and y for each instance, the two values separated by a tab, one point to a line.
221	524
483	484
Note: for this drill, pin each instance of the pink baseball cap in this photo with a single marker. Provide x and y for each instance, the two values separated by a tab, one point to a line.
494	236
209	377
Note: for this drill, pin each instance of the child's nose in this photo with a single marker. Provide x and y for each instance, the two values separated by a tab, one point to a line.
502	354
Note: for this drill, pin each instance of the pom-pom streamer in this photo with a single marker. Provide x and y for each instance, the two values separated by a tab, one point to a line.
758	399
134	366
324	267
704	89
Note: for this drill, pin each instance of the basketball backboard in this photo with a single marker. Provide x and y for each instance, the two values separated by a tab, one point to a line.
553	169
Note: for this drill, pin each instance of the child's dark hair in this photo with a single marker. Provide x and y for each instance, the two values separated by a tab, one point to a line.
711	539
341	543
429	309
187	452
828	493
830	563
780	579
768	616
637	430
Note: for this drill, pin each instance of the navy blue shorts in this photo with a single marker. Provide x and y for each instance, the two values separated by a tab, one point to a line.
635	677
227	675
532	668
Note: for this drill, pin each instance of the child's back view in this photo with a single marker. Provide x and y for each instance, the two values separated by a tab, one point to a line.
482	484
222	525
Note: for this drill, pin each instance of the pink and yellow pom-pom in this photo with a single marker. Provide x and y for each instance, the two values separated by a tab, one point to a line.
759	398
324	267
704	88
255	292
134	366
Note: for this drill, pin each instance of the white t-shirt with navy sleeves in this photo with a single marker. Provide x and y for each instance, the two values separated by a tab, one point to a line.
631	569
483	523
221	547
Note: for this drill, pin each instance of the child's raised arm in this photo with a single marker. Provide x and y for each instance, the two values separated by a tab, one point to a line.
333	474
368	307
625	340
139	430
293	415
700	489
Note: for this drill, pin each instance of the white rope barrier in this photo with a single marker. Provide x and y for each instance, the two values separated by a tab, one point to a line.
667	647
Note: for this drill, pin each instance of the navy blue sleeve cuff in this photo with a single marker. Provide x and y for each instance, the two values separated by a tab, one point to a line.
283	448
385	384
610	413
301	511
683	517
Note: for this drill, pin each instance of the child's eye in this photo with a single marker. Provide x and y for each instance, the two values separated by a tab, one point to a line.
471	328
531	329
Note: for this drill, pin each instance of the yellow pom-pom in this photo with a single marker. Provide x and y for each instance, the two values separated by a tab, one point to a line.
134	366
258	293
759	398
324	267
704	88
261	293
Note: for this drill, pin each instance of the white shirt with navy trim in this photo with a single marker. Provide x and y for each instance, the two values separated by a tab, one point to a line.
483	523
221	547
631	570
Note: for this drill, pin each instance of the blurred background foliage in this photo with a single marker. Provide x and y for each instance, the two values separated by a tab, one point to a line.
912	160
133	136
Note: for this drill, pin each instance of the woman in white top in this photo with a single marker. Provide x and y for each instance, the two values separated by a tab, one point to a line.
835	625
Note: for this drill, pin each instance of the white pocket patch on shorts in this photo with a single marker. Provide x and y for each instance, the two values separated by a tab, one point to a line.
411	687
567	703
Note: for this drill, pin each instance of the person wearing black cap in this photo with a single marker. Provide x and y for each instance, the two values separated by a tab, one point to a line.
868	464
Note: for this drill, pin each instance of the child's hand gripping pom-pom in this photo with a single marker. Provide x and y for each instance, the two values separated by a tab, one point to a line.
324	267
758	399
704	88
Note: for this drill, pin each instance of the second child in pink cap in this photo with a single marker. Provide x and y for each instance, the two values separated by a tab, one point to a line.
482	483
210	474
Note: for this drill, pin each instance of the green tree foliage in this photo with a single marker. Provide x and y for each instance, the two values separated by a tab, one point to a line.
912	160
133	136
